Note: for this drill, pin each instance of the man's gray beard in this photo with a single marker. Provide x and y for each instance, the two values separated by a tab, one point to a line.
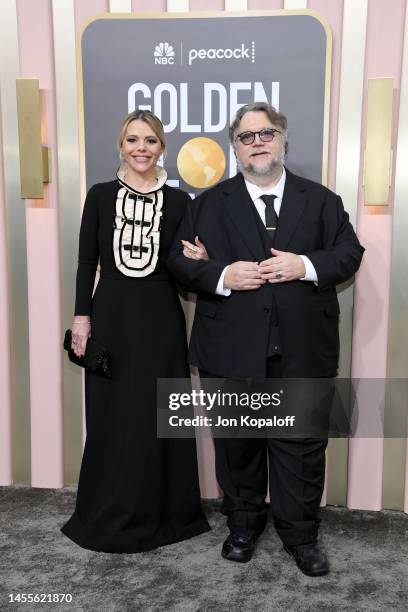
270	169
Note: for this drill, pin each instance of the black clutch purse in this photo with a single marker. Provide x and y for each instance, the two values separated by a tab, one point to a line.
96	358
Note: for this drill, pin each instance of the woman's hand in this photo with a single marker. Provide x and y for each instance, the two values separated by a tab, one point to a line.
81	331
195	251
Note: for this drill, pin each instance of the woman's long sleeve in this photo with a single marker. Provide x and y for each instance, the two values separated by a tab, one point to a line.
88	255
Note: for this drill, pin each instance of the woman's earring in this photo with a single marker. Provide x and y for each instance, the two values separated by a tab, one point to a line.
123	167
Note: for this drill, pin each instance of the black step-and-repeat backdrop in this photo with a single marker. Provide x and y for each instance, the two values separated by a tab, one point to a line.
194	73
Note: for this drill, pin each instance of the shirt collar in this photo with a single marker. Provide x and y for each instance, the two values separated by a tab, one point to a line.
161	177
256	192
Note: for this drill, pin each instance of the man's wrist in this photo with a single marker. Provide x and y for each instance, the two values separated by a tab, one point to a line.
310	270
221	289
303	268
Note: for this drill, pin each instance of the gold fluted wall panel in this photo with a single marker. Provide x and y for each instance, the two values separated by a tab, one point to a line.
69	200
16	245
395	450
347	184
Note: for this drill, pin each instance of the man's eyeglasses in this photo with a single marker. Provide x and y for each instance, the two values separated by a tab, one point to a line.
266	135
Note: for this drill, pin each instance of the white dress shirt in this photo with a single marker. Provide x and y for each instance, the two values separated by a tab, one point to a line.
255	193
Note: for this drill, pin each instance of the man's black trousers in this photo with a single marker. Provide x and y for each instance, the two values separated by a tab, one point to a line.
296	480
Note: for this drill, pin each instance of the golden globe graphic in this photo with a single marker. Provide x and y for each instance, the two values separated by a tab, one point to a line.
201	162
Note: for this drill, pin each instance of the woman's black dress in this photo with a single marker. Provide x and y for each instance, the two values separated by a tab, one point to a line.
136	492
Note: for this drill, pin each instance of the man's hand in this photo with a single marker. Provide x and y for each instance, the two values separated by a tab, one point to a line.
243	276
282	267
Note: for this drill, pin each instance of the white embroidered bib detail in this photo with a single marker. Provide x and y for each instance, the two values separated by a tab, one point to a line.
136	233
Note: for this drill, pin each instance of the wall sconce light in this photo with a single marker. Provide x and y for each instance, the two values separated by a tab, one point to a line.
35	167
378	152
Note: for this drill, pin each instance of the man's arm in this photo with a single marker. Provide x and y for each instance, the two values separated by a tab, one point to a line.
342	253
196	275
216	275
335	263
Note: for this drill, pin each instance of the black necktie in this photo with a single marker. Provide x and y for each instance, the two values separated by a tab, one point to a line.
271	218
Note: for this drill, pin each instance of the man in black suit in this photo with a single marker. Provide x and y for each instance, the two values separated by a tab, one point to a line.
267	306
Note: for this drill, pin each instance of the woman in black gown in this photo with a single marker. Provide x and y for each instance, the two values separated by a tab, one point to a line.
136	492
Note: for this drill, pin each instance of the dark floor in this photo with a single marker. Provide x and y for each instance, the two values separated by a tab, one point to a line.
368	553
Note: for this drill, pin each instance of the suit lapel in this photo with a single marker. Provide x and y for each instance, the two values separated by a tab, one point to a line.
293	204
238	205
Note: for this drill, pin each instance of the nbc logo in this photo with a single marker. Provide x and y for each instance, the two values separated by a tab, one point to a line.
164	54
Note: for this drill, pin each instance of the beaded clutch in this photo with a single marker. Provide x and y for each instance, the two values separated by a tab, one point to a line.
96	358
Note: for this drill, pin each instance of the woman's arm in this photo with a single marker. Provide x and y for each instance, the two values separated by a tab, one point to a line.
196	250
88	258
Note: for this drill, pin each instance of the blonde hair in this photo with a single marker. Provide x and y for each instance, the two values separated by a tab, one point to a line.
149	118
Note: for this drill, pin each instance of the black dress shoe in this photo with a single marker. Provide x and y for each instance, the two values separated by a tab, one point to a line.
239	547
310	559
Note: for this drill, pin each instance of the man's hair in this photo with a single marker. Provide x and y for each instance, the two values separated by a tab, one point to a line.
273	115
